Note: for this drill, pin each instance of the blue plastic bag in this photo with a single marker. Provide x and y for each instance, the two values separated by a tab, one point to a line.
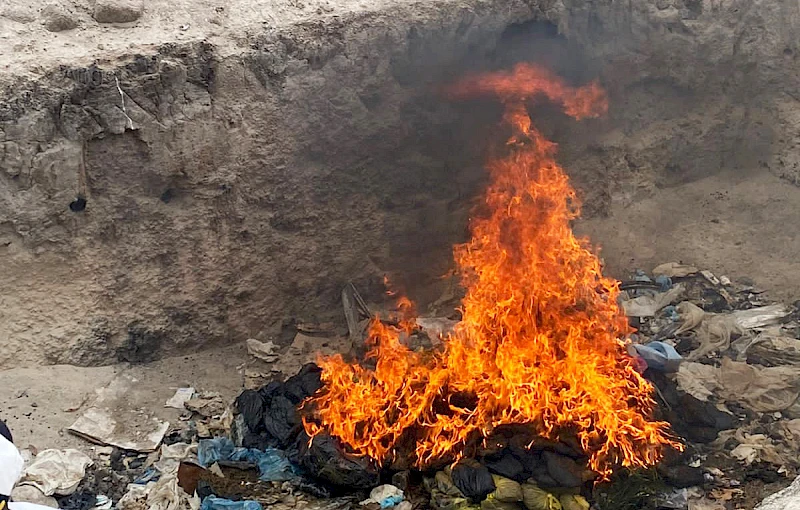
215	503
659	356
214	450
273	465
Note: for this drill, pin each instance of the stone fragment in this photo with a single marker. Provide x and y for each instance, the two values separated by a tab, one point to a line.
57	18
118	11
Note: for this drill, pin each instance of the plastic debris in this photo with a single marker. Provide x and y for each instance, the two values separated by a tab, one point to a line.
674	270
150	475
507	466
507	491
445	495
715	334
708	275
762	389
769	349
272	464
171	457
659	356
57	471
573	502
491	503
179	399
215	503
325	458
165	494
665	282
648	306
538	499
11	463
761	316
676	498
787	499
691	315
103	502
698	380
473	479
386	496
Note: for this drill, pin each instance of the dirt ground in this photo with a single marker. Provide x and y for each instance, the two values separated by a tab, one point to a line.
731	224
39	404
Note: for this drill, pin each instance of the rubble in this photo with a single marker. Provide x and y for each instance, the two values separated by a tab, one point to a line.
735	389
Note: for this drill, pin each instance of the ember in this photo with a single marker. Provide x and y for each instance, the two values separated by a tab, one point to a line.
541	340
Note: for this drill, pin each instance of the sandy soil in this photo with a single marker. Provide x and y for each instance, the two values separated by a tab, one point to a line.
26	47
731	224
37	403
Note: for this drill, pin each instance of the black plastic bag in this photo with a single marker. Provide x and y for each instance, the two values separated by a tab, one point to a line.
79	500
282	420
473	480
250	404
565	471
506	465
324	459
303	384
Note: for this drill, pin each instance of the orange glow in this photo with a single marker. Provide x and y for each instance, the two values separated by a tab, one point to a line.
541	338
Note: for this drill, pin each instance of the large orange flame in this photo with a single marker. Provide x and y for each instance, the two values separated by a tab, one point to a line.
540	342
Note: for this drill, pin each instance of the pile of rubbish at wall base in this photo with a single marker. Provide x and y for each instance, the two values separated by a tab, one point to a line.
724	363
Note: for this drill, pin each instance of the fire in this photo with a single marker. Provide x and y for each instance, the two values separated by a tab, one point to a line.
541	338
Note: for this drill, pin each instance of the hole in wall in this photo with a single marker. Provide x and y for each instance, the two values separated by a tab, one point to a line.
78	205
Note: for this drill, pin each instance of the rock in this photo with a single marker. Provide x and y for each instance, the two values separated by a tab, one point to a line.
57	18
118	11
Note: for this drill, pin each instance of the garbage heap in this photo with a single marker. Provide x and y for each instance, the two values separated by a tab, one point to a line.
724	362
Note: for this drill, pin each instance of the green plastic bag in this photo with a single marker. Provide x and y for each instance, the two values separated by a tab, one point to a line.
538	499
507	491
571	502
491	503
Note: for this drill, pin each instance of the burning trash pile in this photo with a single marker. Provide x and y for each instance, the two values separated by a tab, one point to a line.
534	380
556	388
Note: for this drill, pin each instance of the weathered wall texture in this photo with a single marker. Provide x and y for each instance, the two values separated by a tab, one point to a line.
239	165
